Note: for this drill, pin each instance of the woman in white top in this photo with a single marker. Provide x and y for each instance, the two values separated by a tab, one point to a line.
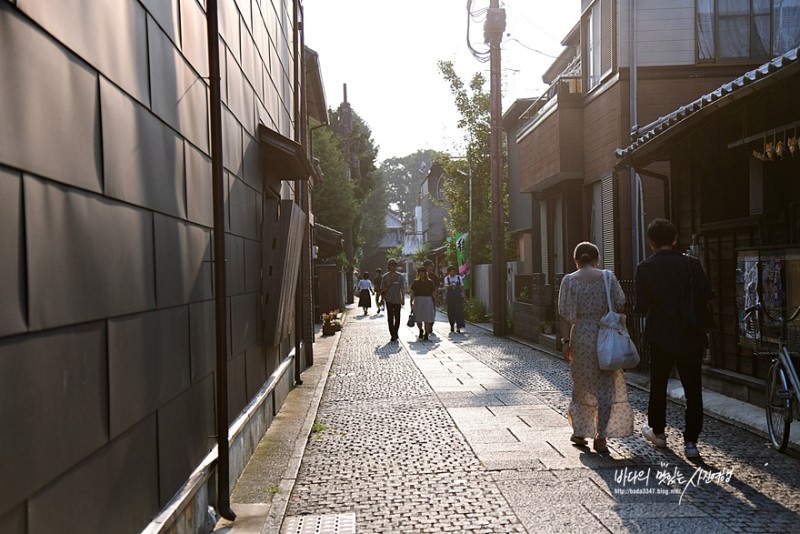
365	287
454	285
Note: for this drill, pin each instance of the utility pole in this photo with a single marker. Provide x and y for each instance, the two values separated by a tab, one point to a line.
346	132
493	30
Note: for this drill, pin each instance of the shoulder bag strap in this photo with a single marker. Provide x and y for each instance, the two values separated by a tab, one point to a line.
607	283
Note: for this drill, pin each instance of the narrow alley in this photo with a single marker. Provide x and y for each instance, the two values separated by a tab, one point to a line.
468	433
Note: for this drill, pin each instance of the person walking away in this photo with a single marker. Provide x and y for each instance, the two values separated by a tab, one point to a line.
454	296
599	407
376	284
393	293
437	282
423	302
365	288
661	282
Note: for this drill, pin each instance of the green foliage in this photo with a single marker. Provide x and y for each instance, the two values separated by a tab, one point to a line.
422	252
343	197
333	197
395	252
373	221
403	178
475	311
473	103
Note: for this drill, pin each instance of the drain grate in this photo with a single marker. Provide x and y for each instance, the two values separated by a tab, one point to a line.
320	524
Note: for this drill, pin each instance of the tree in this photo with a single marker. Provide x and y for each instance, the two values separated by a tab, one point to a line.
373	221
333	197
473	104
403	178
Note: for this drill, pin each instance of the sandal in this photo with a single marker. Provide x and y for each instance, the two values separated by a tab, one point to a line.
577	440
599	445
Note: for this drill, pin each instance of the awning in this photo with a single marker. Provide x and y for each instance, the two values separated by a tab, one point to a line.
654	137
284	158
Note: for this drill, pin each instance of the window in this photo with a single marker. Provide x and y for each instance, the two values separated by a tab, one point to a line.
746	29
601	223
599	39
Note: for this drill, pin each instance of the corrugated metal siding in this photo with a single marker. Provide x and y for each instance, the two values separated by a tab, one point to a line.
608	245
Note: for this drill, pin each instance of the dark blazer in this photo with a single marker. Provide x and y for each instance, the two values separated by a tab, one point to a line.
661	281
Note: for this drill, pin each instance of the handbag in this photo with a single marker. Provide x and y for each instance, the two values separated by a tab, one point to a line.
411	321
615	348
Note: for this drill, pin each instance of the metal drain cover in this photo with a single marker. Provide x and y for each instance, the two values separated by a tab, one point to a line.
320	524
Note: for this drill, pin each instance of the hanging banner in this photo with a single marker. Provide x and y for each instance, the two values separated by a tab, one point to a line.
463	259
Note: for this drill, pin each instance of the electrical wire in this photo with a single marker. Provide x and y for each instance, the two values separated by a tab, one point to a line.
523	45
483	57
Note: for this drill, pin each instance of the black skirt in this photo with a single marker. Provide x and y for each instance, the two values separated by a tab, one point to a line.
365	301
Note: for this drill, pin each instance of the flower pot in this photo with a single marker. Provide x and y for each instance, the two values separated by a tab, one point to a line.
328	329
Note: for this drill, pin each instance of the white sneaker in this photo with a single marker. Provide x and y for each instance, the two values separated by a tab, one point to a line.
659	440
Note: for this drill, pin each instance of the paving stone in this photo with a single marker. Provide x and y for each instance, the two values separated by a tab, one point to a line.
469	434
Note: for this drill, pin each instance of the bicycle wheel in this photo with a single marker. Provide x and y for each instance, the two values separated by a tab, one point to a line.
779	406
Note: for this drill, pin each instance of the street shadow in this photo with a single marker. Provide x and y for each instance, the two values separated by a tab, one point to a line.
389	349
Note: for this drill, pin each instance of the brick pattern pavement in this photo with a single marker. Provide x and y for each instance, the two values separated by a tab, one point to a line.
467	433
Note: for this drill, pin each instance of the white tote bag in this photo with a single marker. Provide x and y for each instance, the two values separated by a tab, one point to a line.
615	348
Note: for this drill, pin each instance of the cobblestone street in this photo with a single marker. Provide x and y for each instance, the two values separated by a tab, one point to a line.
468	433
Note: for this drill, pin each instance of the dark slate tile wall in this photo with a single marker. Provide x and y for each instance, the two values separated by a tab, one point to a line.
112	37
149	363
179	97
202	339
105	225
193	34
88	258
114	490
199	192
15	522
47	132
186	430
54	402
13	305
183	262
143	157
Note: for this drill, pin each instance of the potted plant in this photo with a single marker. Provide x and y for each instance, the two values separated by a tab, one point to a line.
331	323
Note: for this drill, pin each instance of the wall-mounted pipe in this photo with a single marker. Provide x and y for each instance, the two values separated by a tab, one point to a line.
220	281
299	129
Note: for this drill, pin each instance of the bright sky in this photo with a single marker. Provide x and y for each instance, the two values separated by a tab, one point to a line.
386	53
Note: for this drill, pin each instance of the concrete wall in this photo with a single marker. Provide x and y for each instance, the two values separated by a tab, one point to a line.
106	319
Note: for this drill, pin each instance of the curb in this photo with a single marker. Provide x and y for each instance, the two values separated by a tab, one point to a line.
274	520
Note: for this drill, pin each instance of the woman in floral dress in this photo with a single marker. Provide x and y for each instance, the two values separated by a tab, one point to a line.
599	408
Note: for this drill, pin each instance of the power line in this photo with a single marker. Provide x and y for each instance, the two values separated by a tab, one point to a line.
483	57
523	45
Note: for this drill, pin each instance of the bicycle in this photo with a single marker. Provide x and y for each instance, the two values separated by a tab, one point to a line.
782	385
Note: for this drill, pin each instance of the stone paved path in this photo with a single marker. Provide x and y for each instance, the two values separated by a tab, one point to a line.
467	433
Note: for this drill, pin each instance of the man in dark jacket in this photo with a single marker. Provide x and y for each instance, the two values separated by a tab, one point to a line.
662	282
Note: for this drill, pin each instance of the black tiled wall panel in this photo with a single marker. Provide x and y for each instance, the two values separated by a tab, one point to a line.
13	305
253	171
88	257
183	262
243	202
193	34
252	265
202	338
256	368
111	36
149	363
15	521
53	133
232	143
234	266
53	406
199	193
186	431
237	388
167	14
244	322
143	157
180	97
115	490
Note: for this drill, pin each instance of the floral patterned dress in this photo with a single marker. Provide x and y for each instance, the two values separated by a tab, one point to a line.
599	406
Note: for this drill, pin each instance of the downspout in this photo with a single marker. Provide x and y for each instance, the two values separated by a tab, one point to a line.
220	282
298	192
636	210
